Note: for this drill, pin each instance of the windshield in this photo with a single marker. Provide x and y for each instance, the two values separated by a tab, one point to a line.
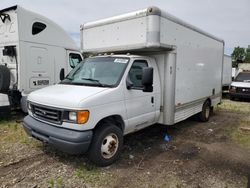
243	77
98	71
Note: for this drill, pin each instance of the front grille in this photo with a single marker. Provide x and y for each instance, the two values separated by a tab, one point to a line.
46	113
242	90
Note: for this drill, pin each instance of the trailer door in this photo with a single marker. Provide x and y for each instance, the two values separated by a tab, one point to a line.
39	67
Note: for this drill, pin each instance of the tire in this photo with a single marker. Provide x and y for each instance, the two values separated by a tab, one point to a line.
232	98
23	103
4	79
107	136
206	111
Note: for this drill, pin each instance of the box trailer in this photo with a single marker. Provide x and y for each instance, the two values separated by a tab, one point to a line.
33	51
227	72
153	68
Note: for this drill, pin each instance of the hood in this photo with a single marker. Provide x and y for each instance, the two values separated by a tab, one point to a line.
64	96
241	84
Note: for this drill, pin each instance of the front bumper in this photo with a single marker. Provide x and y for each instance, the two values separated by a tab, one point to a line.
240	95
69	141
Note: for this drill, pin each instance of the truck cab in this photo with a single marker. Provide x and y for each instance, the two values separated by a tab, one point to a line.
33	51
240	87
115	89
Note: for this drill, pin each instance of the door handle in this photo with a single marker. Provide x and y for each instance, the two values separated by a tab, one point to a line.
152	99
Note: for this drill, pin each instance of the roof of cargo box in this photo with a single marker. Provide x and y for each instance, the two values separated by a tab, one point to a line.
146	12
32	27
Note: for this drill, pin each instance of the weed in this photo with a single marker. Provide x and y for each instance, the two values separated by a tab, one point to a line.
51	183
93	175
232	106
55	183
241	138
12	132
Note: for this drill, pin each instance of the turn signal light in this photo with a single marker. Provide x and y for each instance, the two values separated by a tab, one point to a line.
82	116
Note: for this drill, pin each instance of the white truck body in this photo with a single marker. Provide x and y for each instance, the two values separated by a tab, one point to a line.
227	71
194	57
187	79
42	49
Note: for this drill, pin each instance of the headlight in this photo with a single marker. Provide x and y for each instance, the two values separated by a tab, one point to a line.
28	105
232	89
80	117
72	116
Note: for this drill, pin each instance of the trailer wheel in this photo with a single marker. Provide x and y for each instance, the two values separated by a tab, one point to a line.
4	79
205	113
106	145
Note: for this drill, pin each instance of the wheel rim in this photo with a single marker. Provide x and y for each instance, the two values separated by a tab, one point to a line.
207	112
109	146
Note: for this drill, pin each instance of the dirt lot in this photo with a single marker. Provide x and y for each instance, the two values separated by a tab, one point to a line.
212	154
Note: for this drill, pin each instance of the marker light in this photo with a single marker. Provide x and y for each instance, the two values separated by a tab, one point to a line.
82	116
79	117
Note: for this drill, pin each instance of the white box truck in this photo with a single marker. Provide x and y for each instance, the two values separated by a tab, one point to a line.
227	72
164	71
33	51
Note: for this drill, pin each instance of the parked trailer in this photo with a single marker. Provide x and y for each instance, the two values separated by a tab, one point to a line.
227	72
33	51
164	71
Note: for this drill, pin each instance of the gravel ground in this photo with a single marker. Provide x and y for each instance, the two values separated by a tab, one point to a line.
211	154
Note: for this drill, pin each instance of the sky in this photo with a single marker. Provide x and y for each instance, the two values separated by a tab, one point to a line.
226	19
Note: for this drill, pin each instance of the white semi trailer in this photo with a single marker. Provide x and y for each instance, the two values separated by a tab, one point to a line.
163	71
33	51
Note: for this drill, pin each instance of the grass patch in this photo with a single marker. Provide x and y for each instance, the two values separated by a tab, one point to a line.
94	176
233	106
13	132
240	136
55	183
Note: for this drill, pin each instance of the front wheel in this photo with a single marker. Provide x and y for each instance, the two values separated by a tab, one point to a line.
106	145
205	113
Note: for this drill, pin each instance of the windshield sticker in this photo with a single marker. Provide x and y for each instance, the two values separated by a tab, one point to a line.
121	60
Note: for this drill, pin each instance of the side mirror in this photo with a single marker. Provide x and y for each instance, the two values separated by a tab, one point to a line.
62	74
129	83
147	79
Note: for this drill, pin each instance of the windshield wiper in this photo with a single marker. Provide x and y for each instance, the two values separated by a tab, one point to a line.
69	78
94	80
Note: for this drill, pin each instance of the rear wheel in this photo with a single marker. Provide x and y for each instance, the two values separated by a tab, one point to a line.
205	113
106	145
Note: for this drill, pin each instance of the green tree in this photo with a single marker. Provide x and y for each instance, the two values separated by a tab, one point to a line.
238	55
247	55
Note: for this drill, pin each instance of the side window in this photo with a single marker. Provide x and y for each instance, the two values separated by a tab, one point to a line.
38	27
74	59
135	73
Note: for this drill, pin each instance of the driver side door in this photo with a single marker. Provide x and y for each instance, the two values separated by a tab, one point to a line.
140	105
